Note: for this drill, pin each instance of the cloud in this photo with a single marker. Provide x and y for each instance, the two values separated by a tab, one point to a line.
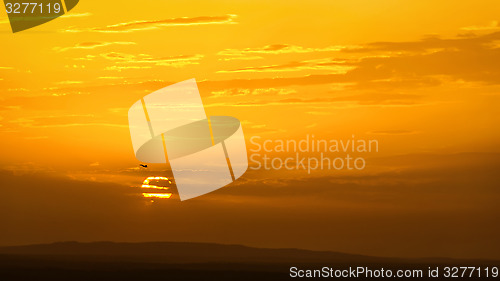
91	45
274	82
87	58
332	65
471	59
393	132
69	82
9	107
273	91
121	68
372	100
156	24
128	61
242	58
492	26
428	46
460	59
63	121
280	82
18	90
110	77
173	61
397	172
424	63
245	92
319	113
279	49
431	195
76	15
66	125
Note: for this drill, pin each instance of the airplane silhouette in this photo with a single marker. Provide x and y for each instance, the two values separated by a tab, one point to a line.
142	165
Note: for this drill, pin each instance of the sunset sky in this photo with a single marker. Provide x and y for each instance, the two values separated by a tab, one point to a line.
421	77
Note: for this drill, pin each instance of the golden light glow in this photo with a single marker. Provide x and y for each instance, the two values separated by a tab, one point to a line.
146	184
157	195
153	186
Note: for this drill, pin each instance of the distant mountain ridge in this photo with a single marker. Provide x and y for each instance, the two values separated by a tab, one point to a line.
189	252
178	252
96	261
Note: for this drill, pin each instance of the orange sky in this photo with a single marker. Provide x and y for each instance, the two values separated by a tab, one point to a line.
421	77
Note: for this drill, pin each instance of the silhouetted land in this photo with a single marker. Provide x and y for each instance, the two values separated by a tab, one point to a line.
188	261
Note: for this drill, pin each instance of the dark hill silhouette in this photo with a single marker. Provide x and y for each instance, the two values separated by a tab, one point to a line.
183	261
182	252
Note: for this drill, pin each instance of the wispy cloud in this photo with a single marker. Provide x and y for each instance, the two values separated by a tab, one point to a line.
76	125
245	92
91	45
110	77
76	15
332	65
492	26
364	100
279	49
470	59
46	122
241	58
174	61
392	132
156	24
17	90
87	57
121	68
62	121
320	113
412	64
69	82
